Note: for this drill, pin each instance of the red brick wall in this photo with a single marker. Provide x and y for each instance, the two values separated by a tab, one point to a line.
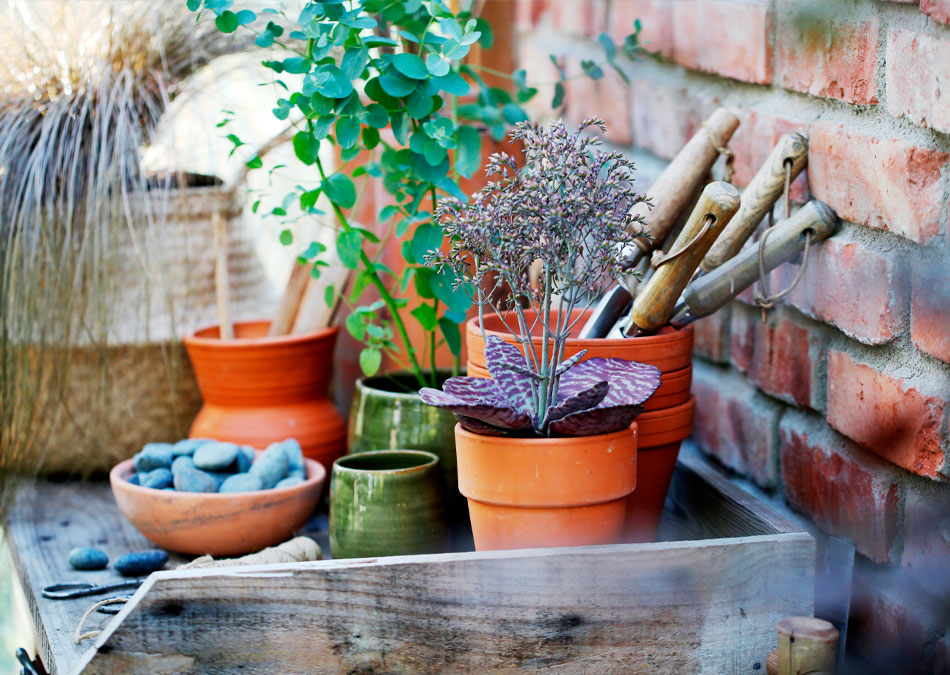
838	404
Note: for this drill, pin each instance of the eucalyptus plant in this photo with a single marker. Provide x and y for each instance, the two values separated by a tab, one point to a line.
566	211
388	77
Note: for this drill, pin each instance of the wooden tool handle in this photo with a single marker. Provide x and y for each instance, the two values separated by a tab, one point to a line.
806	645
283	321
671	192
710	292
222	280
654	304
759	197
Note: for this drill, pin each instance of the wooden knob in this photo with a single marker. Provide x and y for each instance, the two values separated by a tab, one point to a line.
654	304
806	646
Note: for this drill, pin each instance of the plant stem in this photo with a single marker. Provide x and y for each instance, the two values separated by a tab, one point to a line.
384	293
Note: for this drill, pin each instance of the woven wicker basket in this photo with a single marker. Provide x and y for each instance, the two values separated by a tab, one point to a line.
161	288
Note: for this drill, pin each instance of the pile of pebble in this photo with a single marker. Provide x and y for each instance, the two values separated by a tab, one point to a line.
205	465
134	564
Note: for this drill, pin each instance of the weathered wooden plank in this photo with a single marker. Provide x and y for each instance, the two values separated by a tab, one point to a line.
45	522
702	503
690	607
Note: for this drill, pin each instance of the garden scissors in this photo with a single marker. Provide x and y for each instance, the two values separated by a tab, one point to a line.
83	588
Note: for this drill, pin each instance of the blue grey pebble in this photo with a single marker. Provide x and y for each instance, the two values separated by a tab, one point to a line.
215	456
188	446
271	466
294	454
290	480
195	480
244	459
157	479
140	563
219	478
183	463
241	482
85	558
134	479
297	474
153	456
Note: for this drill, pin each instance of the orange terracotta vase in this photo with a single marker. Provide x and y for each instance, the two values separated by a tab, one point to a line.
259	389
541	492
661	434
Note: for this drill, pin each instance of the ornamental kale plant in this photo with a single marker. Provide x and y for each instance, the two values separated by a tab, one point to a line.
597	396
565	212
388	78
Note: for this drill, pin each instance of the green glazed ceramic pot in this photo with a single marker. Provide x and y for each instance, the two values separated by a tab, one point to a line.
387	502
388	414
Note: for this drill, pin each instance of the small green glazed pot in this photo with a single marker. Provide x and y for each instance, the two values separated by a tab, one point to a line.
387	414
387	502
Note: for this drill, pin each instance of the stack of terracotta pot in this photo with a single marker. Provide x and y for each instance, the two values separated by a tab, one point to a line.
666	420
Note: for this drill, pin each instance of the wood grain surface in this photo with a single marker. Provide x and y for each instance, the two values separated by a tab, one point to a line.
701	605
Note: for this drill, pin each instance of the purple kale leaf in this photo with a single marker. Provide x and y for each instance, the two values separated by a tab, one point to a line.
475	398
507	366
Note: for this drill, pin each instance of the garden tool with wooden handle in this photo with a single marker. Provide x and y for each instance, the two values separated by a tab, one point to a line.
787	159
670	193
704	295
654	304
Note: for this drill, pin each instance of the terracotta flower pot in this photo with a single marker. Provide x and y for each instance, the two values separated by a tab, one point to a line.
260	389
661	434
539	492
670	350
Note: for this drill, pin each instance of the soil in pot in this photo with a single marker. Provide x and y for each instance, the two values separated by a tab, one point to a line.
540	492
259	389
661	434
387	414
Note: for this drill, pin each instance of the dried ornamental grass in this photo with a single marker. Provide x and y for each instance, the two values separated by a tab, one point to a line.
82	87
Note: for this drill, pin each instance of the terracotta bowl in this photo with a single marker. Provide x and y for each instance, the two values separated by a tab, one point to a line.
228	524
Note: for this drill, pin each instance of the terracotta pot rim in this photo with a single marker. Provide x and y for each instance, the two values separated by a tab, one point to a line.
556	441
117	477
654	415
401	395
369	454
665	334
198	340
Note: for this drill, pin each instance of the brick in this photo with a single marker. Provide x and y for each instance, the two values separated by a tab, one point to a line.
887	184
938	10
665	117
823	54
735	423
930	309
781	357
886	415
580	17
528	13
711	336
846	491
607	98
895	624
656	19
726	37
918	67
926	555
752	142
863	293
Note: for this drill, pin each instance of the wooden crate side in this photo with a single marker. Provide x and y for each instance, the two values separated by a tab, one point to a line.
690	607
703	503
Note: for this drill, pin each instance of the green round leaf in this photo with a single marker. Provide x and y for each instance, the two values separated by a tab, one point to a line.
453	337
347	132
419	105
436	66
340	190
353	63
468	158
370	137
286	237
425	315
396	85
427	238
453	83
227	22
246	16
306	147
514	114
356	325
370	361
296	65
411	66
376	116
349	245
442	285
